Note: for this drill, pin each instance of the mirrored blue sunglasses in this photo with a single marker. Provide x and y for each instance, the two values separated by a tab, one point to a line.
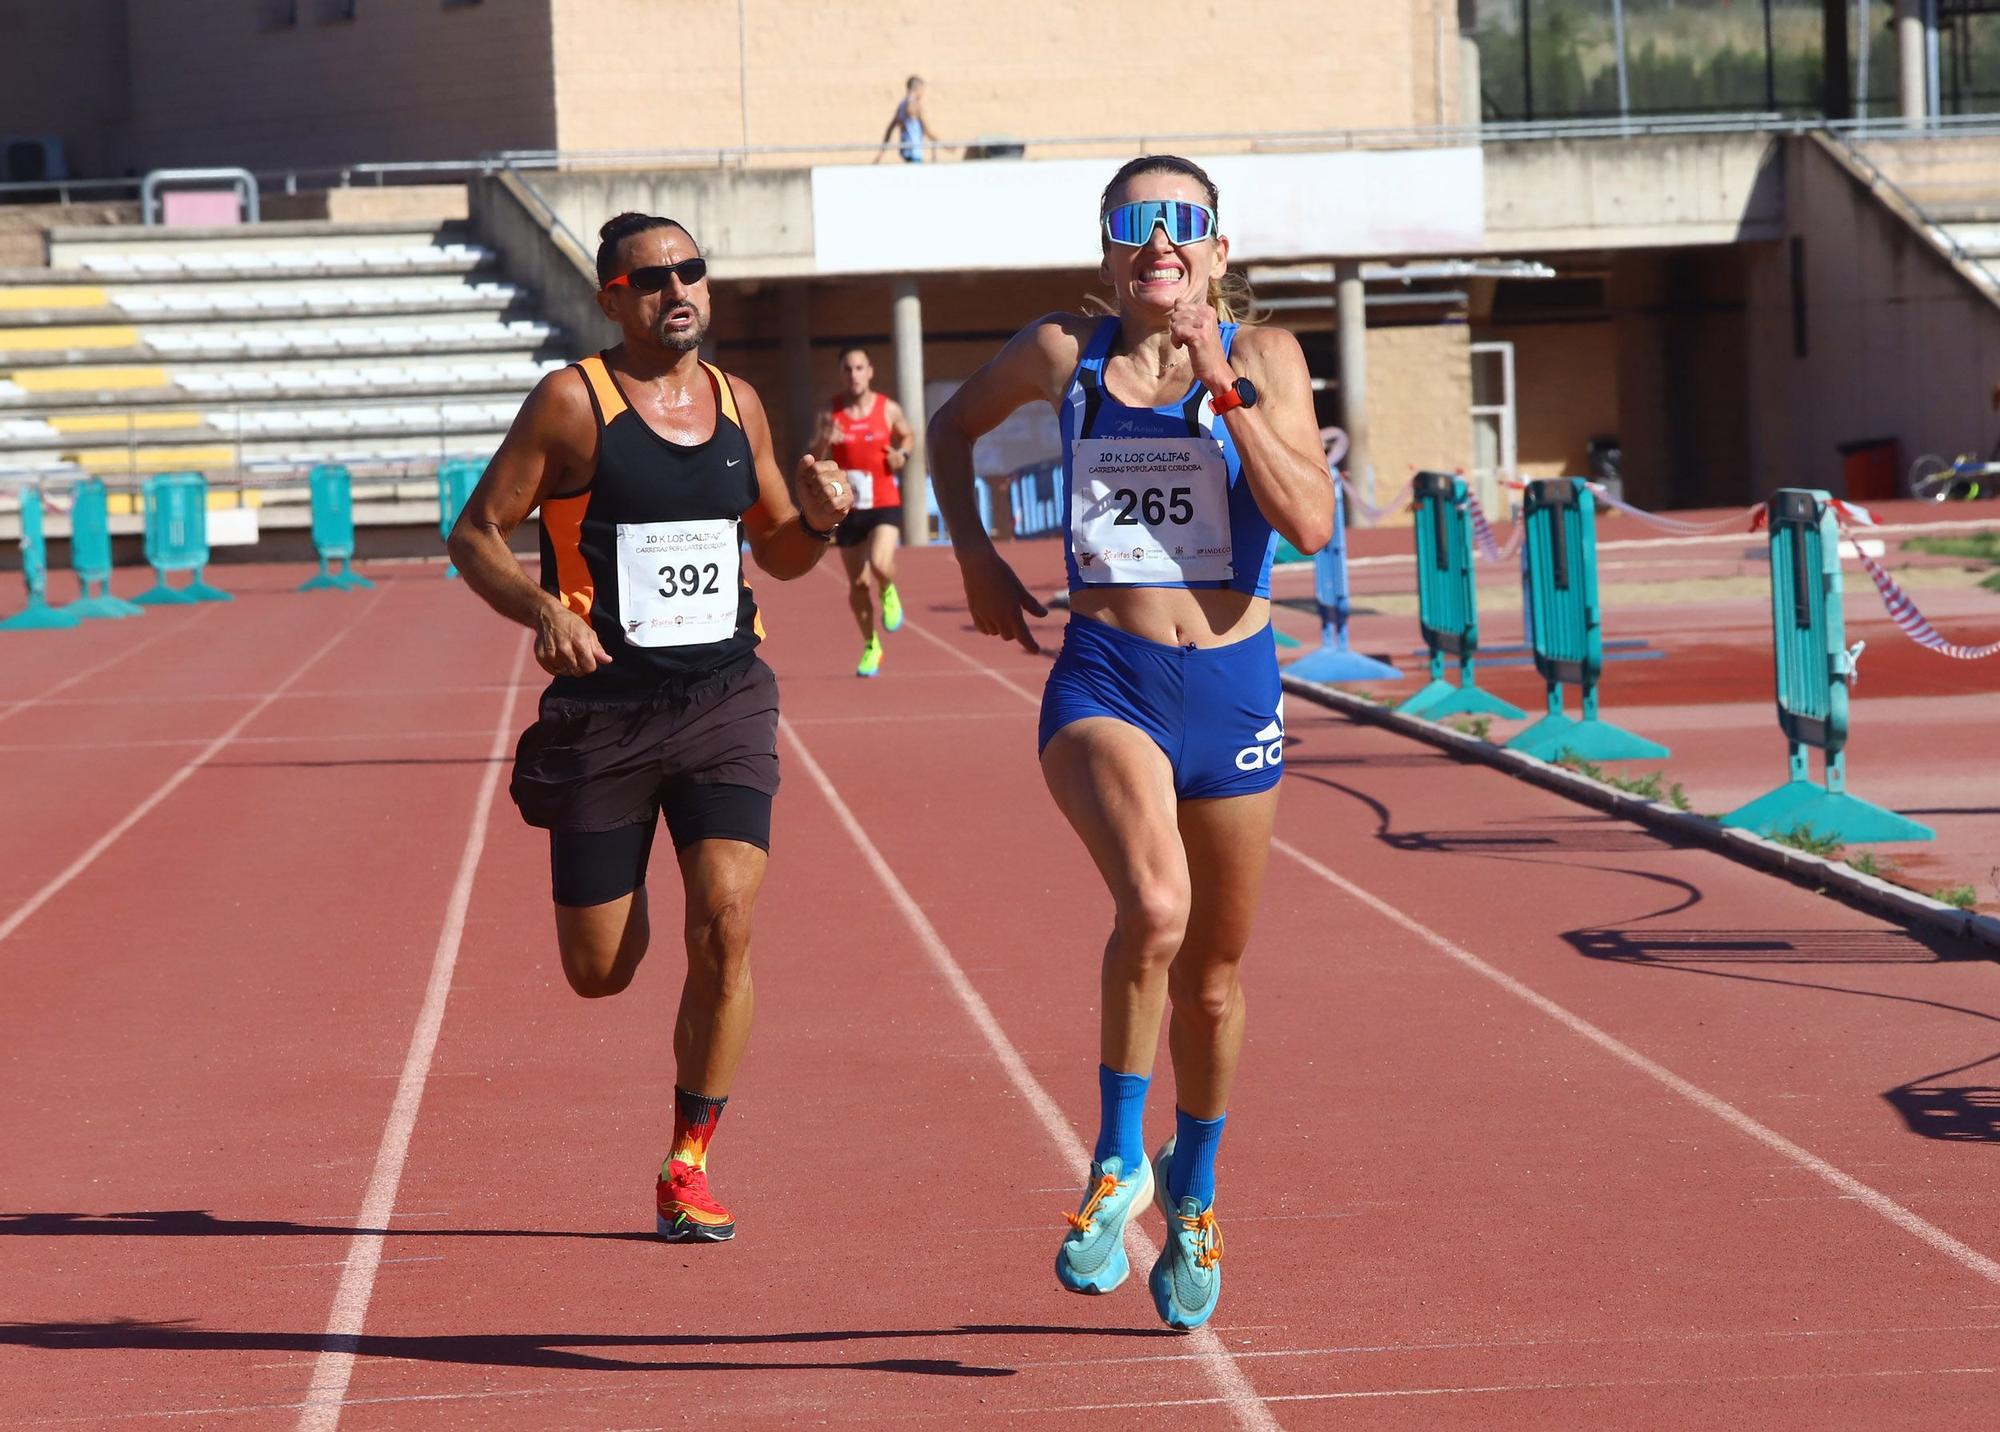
1132	224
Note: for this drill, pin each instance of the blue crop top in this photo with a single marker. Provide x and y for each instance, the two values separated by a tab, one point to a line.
1089	411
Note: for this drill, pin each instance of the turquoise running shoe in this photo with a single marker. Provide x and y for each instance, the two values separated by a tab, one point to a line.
1092	1256
1187	1279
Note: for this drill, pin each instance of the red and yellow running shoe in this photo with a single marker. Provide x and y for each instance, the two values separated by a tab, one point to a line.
687	1212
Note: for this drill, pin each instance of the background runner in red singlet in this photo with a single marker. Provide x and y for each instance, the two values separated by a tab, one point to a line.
869	439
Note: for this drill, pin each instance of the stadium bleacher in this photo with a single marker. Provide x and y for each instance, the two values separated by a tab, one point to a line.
242	353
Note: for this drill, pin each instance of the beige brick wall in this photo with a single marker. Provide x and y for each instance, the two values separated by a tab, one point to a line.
816	76
1565	392
413	79
1420	394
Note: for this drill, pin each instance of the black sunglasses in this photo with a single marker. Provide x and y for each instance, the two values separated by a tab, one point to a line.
654	277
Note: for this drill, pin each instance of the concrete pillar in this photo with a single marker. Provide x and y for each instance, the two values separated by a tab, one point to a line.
1470	109
1911	62
1351	325
803	397
908	328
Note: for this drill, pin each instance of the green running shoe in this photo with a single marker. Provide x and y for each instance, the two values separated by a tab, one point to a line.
892	607
1092	1257
871	658
1187	1279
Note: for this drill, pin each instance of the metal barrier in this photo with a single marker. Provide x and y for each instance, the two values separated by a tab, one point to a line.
177	539
333	531
1560	548
1334	661
38	615
1814	669
456	479
90	554
1448	601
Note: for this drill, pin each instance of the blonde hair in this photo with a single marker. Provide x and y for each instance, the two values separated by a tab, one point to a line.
1228	293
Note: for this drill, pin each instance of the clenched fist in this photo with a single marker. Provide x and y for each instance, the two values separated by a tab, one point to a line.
1192	325
566	644
825	495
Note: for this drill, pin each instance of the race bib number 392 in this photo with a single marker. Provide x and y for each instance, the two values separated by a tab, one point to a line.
1149	510
678	581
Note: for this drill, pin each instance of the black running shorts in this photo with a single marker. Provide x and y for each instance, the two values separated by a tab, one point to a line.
599	775
856	528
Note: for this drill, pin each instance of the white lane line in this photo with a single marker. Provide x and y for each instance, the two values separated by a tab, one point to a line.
1237	1393
335	1364
173	783
167	741
1971	1259
15	708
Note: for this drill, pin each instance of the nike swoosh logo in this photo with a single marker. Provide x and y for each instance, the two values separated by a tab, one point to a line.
732	462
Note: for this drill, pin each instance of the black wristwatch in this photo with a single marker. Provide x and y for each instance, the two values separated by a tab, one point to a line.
812	531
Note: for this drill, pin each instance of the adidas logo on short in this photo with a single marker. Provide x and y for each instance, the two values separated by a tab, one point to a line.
1270	747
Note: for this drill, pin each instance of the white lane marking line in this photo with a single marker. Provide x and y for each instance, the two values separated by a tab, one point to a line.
1969	1258
172	783
352	693
335	1364
977	665
1965	1256
15	708
167	741
1237	1393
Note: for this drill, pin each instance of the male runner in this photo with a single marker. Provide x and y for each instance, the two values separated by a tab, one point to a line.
908	124
869	439
651	468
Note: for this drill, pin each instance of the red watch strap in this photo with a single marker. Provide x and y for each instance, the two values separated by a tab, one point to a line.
1225	401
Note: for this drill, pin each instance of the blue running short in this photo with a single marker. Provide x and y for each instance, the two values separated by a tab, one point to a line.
1215	711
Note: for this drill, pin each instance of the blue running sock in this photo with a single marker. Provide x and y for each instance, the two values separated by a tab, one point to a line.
1192	1174
1121	1101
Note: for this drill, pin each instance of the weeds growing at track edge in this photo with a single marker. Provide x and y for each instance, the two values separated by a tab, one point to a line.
1651	787
1801	837
1869	864
1962	897
1474	726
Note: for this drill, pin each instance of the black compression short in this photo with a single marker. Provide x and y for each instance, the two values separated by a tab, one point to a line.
599	775
855	528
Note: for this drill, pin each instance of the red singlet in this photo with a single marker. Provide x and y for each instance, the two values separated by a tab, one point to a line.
860	448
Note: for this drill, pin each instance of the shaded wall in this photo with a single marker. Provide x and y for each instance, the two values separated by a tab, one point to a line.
1881	336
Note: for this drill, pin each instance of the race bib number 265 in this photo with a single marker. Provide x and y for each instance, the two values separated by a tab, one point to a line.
1149	510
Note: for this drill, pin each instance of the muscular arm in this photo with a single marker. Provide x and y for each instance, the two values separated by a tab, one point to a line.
1278	439
1033	365
902	437
549	449
781	546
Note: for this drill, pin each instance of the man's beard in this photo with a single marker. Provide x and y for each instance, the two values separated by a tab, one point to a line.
684	340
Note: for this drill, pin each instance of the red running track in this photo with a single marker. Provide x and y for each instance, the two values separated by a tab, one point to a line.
1544	1121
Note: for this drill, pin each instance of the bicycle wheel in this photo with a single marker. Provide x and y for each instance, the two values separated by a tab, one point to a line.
1930	478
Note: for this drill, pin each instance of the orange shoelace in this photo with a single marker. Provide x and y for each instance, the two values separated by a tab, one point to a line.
1210	1232
1081	1221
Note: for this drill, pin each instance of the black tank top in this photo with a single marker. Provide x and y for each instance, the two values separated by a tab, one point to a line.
657	530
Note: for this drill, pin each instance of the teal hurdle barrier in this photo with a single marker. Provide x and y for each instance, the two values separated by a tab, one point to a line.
1335	660
1565	626
1448	601
1814	669
90	554
177	539
38	615
333	531
456	479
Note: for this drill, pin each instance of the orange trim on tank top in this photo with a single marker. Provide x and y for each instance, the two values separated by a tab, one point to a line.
724	394
610	402
562	519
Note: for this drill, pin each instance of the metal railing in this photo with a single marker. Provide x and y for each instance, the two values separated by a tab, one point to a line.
383	174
